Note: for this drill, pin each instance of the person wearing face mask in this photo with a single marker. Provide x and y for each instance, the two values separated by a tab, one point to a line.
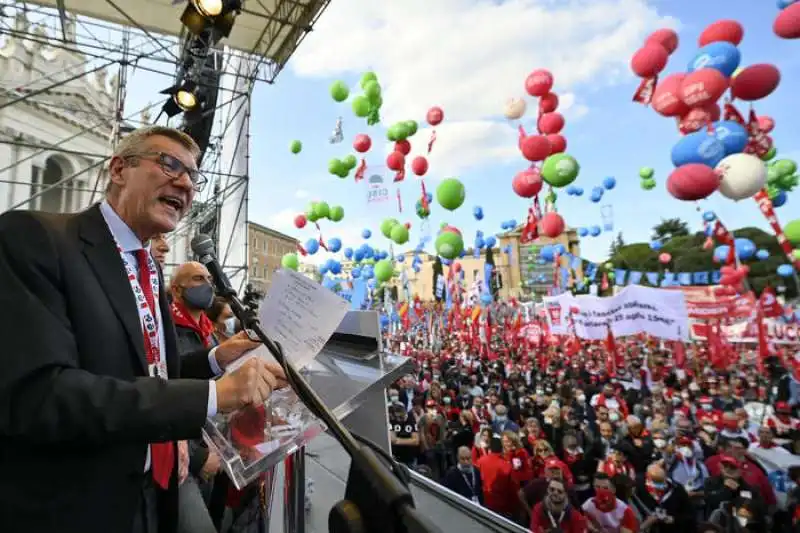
555	513
605	512
192	295
664	505
582	465
222	317
464	478
498	486
687	470
501	421
720	490
737	517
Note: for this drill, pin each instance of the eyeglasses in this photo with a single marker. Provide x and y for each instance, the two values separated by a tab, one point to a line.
174	168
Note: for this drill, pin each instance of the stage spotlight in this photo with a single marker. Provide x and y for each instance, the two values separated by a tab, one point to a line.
218	15
183	98
186	100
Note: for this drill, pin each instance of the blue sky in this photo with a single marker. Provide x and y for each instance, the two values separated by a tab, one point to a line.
469	56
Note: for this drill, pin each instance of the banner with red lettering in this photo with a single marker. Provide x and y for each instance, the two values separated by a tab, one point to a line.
703	303
765	205
777	332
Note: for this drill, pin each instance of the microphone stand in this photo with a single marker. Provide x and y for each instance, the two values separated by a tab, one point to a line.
376	500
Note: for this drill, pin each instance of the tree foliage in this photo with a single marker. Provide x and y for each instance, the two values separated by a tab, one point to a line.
616	244
688	255
670	228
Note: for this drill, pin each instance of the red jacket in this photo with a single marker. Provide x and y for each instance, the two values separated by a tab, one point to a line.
572	522
521	469
499	487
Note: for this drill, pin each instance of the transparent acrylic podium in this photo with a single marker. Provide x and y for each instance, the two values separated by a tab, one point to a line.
350	374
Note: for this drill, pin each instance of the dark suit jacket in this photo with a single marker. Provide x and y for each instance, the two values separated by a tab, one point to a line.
76	408
455	481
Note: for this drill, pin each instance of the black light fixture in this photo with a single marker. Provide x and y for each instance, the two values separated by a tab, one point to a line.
183	97
219	15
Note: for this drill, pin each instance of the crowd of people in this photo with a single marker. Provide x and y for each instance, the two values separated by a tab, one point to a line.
551	439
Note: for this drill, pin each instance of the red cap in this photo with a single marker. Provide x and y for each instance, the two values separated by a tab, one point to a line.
729	461
552	462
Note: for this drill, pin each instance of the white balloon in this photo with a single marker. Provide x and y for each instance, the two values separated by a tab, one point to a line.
743	175
515	108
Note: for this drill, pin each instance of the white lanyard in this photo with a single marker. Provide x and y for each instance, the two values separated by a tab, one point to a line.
553	520
471	484
155	363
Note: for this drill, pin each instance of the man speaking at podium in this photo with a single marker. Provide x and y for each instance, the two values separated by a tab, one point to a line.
93	397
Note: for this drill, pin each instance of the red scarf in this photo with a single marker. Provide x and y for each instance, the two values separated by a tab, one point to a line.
182	318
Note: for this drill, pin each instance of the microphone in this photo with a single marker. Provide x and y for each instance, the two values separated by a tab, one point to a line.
203	247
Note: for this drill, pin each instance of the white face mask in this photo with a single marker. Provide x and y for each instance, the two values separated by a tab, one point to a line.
230	327
687	453
742	520
614	416
581	398
660	443
709	429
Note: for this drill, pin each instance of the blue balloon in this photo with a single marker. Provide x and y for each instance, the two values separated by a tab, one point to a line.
583	232
504	224
709	216
698	147
369	253
559	249
358	255
597	194
734	136
721	253
571	190
656	245
609	183
429	197
336	268
366	234
372	283
783	4
547	253
779	199
490	241
762	255
594	231
579	191
334	245
384	321
463	253
785	270
745	248
477	212
415	268
312	246
479	243
400	258
512	224
507	249
722	56
445	261
348	253
323	269
486	298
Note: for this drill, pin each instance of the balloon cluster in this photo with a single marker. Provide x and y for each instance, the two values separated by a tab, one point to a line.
317	211
366	105
423	208
714	154
393	230
449	243
648	182
507	225
591	231
342	167
574	191
787	23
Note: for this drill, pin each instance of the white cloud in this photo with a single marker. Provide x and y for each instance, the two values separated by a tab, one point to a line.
301	194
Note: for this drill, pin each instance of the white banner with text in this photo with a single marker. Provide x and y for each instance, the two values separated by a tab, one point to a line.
635	309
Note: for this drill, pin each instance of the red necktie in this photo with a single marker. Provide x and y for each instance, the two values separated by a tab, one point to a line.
162	453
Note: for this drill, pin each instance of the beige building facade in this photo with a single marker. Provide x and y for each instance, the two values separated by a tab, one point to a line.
266	247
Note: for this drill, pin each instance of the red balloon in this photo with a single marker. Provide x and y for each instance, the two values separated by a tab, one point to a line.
362	143
765	123
451	229
666	98
535	147
404	147
396	161
713	110
664	258
693	181
755	82
539	82
558	144
527	183
697	117
407	225
649	60
665	37
787	23
435	116
550	123
703	86
722	30
300	221
456	267
548	103
419	165
552	225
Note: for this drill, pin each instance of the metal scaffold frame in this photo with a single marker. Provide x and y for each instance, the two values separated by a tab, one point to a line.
112	36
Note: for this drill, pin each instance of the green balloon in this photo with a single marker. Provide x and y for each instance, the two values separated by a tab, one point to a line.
423	212
399	234
335	166
322	210
646	173
769	155
350	161
401	131
310	208
648	184
343	172
339	91
391	134
773	174
360	106
796	254
290	262
295	147
376	101
792	232
372	90
383	271
411	126
442	226
312	217
784	167
451	194
368	77
387	225
449	244
559	170
336	213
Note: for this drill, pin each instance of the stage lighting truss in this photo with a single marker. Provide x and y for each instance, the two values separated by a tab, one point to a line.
218	16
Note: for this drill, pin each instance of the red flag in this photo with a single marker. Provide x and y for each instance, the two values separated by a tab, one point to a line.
362	168
770	307
679	351
611	346
763	345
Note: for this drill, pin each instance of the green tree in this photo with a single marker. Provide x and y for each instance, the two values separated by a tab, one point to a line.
669	229
616	244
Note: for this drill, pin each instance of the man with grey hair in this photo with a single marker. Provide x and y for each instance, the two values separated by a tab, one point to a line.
93	396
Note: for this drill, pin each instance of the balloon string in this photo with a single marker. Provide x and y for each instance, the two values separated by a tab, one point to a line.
399	202
431	141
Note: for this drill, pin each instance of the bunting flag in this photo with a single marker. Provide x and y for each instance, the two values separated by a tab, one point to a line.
362	168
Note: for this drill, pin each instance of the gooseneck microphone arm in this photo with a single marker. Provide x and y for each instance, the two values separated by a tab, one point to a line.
376	500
